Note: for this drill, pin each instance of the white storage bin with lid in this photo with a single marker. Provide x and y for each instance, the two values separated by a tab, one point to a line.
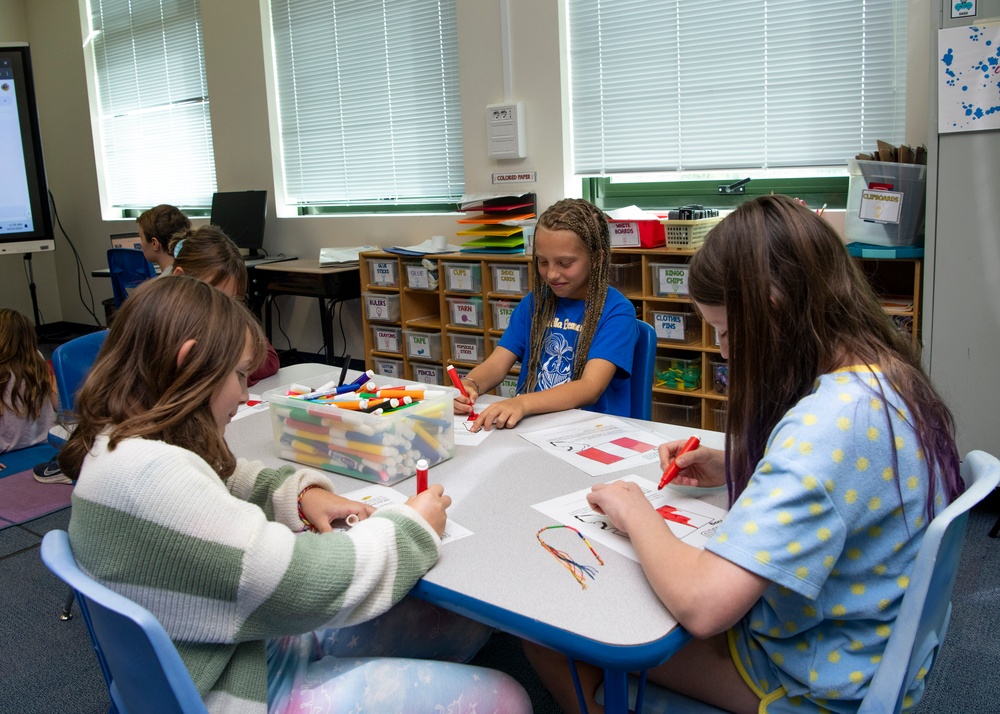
463	277
382	307
465	311
423	345
383	272
387	338
670	279
510	278
388	367
428	373
321	435
466	348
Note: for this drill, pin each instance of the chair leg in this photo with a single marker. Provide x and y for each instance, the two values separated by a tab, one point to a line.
996	529
67	611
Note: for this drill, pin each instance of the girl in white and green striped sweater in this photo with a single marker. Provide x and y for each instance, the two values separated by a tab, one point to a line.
264	619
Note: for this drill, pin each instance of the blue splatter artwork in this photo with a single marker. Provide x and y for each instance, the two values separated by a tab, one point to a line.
969	90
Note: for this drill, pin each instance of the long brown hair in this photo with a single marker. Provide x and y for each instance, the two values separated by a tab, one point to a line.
22	366
137	389
590	225
210	255
796	304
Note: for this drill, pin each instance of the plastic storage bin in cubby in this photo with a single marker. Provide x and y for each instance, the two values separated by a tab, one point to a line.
428	373
680	326
670	279
678	373
466	348
423	345
688	235
465	311
387	339
683	412
502	310
383	272
507	387
720	376
462	277
721	415
320	435
388	367
885	203
420	277
382	307
510	278
625	277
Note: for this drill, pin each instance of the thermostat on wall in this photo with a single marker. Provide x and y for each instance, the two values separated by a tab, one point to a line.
505	130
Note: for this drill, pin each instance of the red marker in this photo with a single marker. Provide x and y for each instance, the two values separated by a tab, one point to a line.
422	475
460	387
671	473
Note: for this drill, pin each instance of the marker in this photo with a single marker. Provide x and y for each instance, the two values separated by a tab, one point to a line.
422	475
671	473
352	520
460	387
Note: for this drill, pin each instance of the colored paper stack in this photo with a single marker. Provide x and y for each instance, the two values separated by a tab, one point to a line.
493	226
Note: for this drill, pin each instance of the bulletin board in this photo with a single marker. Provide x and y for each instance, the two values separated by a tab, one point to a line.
969	78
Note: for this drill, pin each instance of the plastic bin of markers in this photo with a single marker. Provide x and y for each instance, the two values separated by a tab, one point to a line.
381	448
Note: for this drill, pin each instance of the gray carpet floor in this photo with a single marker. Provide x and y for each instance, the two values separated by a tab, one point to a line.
49	666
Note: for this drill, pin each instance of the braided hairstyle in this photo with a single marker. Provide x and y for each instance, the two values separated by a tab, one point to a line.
588	222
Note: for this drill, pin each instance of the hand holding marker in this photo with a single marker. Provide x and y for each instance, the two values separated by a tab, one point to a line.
671	473
461	387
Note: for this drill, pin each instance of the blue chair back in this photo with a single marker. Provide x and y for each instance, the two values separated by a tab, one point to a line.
128	268
141	666
641	379
70	363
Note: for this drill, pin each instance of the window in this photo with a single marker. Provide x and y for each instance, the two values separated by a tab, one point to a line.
150	101
780	86
368	104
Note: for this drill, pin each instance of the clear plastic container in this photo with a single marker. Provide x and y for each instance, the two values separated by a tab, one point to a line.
721	416
388	367
428	373
720	376
510	278
670	279
381	307
466	348
463	277
383	272
682	413
423	345
680	327
885	203
326	437
626	278
465	311
387	339
678	373
419	277
502	310
507	387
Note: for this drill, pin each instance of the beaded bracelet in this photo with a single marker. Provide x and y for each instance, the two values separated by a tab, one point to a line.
302	516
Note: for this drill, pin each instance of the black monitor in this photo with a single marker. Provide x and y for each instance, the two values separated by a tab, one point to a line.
25	220
241	214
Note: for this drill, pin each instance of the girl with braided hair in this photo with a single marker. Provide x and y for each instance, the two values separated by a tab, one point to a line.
573	333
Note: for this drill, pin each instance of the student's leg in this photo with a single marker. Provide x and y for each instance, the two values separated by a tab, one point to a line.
702	669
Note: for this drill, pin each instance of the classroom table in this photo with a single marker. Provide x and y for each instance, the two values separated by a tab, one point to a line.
501	575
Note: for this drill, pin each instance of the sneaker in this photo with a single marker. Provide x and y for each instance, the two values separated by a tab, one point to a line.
49	472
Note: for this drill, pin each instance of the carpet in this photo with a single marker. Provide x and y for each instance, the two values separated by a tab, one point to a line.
23	499
22	459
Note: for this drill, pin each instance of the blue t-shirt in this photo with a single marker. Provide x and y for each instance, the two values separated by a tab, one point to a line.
827	521
614	341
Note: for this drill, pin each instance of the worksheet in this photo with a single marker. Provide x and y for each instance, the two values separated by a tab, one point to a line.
463	435
378	496
691	520
599	446
253	405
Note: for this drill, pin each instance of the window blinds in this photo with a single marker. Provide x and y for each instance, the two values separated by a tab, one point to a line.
152	102
665	85
368	101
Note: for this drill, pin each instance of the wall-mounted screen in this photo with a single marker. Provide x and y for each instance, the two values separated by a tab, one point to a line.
25	220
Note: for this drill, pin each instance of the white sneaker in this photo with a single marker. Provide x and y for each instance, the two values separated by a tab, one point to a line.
49	472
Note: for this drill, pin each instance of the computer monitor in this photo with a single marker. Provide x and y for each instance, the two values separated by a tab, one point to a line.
241	214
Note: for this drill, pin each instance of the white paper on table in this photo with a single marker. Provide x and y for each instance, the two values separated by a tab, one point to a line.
599	446
377	496
465	437
691	520
253	405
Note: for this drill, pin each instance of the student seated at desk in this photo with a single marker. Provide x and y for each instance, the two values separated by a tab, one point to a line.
266	615
573	333
208	254
838	453
156	227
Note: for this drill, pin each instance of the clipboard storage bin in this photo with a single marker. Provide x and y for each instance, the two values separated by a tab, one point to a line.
688	235
884	182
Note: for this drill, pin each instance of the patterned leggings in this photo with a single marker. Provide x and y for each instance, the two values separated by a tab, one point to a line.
389	665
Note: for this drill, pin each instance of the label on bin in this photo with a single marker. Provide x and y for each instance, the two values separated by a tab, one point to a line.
420	345
416	277
673	281
509	280
427	375
386	340
503	313
507	388
384	273
378	308
881	206
466	351
465	313
624	234
461	279
669	326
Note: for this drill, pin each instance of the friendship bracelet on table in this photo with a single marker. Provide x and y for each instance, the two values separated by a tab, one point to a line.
577	570
302	516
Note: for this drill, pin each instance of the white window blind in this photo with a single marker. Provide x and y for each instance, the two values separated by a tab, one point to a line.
152	102
665	85
368	101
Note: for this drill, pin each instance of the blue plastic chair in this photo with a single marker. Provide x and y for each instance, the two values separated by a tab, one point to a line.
141	666
70	363
128	269
923	617
641	379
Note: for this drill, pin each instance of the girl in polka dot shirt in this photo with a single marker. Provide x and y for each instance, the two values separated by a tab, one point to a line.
838	453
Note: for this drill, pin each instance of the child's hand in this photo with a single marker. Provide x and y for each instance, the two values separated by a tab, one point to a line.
431	504
322	508
701	467
620	501
464	405
502	415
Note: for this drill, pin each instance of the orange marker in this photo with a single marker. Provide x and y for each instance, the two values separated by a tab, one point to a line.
671	473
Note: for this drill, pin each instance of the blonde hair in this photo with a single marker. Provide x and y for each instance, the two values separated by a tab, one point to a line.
22	366
210	255
137	389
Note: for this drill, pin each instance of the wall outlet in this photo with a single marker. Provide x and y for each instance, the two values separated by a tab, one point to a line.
505	130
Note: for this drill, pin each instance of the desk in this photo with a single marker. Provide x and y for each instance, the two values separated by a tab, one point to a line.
251	264
500	575
304	278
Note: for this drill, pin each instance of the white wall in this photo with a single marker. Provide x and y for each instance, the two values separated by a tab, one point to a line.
234	56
